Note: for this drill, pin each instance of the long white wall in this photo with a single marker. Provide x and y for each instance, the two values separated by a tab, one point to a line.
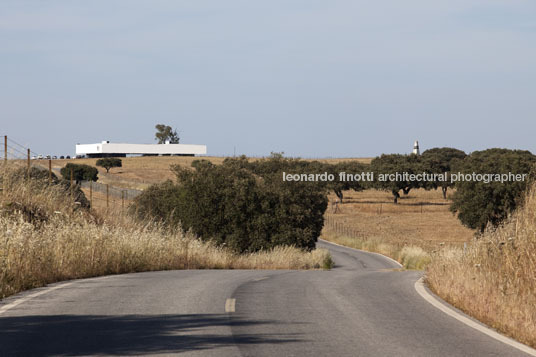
114	148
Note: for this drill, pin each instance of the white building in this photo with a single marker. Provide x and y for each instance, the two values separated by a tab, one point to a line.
107	149
416	149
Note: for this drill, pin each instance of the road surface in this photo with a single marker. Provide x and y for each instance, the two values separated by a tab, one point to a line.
363	307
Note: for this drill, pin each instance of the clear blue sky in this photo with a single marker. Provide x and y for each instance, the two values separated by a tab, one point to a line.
310	78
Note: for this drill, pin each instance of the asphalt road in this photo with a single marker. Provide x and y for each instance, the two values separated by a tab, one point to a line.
363	307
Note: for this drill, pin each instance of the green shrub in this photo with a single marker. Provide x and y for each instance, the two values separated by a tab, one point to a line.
478	203
80	172
158	202
231	205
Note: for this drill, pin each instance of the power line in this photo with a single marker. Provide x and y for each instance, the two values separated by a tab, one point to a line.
9	139
17	150
16	143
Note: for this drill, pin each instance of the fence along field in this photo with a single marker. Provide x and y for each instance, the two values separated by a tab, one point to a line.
409	231
101	196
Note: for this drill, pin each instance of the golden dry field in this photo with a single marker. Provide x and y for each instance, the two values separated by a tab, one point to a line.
422	218
138	172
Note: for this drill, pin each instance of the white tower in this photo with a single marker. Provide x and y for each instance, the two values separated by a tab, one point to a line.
416	150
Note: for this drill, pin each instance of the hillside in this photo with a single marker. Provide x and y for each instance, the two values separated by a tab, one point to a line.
141	172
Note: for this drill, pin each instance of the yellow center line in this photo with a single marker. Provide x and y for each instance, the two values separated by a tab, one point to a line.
230	305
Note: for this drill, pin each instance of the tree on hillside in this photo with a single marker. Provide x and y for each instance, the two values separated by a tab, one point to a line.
479	203
440	161
276	164
166	133
390	165
109	162
349	168
80	172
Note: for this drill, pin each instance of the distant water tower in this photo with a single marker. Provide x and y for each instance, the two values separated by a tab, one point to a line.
416	150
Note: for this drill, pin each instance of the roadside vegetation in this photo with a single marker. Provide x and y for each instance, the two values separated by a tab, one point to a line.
46	236
241	205
494	279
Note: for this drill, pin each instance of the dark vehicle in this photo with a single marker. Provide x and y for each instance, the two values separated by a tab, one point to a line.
67	157
62	157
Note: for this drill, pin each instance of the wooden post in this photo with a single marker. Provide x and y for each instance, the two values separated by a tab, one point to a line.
5	165
122	200
90	194
49	172
107	196
72	177
28	164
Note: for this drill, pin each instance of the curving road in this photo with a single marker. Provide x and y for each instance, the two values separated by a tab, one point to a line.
363	307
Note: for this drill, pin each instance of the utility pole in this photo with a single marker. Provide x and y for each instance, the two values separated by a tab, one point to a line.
28	164
72	187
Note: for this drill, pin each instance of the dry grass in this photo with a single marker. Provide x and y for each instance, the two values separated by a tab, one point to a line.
44	238
421	218
411	257
494	280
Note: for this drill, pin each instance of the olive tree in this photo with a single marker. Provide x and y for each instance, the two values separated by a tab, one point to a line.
479	203
109	162
440	161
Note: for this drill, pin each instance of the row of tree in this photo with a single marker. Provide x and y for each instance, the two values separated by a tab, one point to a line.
246	204
433	161
82	172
